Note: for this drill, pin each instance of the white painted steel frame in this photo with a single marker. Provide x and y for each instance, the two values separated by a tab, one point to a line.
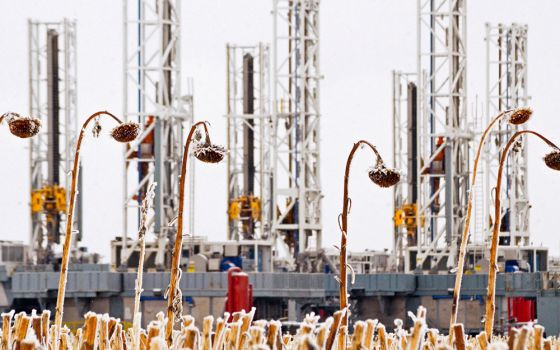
262	131
38	107
296	116
153	88
442	112
506	87
400	159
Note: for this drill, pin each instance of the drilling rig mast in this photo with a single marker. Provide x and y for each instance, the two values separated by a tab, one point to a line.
405	193
296	119
443	134
250	142
153	97
506	88
52	98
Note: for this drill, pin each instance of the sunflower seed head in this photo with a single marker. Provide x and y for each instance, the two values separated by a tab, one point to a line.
383	176
126	132
23	127
520	115
209	153
552	160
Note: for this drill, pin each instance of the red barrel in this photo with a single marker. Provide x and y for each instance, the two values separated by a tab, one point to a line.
521	309
240	291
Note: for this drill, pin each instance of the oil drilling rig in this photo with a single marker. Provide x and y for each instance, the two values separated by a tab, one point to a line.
250	143
153	97
52	97
432	139
274	188
506	88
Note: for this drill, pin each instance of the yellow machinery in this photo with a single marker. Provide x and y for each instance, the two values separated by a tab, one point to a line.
405	216
246	209
48	199
51	201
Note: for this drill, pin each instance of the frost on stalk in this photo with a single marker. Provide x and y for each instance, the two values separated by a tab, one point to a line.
353	274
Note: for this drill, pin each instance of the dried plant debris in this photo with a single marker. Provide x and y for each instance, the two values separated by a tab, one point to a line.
520	116
383	176
209	153
23	127
126	132
242	332
96	130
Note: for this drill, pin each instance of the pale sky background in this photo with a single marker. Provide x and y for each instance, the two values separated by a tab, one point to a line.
361	42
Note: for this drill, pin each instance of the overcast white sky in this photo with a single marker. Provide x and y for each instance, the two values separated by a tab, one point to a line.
361	42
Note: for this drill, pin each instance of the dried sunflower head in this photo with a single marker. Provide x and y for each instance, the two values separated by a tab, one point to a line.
552	160
383	176
520	115
209	153
23	127
126	132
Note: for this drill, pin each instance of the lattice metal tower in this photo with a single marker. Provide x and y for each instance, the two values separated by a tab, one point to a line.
405	193
52	98
506	87
296	116
153	96
443	142
250	142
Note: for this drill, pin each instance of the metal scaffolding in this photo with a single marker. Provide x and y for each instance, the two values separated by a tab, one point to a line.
53	99
296	119
249	142
443	133
404	158
153	97
506	87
